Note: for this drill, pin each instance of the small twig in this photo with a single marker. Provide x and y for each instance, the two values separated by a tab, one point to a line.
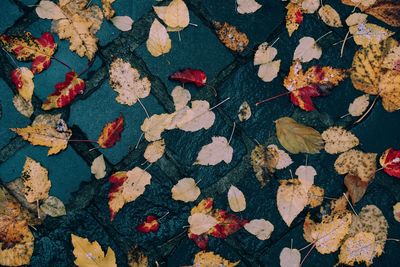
345	115
351	206
219	104
276	40
138	142
199	181
343	40
94	148
162	217
291	174
393	239
144	108
291	243
148	166
233	130
179	36
308	253
212	88
343	44
82	141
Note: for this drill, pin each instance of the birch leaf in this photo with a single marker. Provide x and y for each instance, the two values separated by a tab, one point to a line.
357	163
290	257
217	151
122	23
269	68
158	42
236	199
261	228
247	6
185	190
338	140
175	15
359	105
154	151
98	167
36	181
330	16
49	10
201	223
359	248
307	50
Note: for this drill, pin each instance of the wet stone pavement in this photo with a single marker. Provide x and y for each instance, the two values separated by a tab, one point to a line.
233	75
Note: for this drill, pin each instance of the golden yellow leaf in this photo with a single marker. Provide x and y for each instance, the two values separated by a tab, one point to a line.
90	254
108	11
217	151
177	14
49	10
36	181
158	42
126	81
294	17
392	59
46	131
298	138
154	151
330	16
261	228
361	4
209	259
396	211
236	199
315	196
185	190
357	163
338	140
358	249
366	34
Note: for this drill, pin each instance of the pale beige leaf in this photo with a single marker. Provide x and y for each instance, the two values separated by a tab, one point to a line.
247	6
154	151
307	50
396	211
356	18
261	228
330	16
24	107
201	223
193	119
181	97
36	181
338	140
154	126
290	258
359	105
264	54
306	175
158	42
269	71
177	14
236	199
98	167
53	207
122	23
49	10
357	249
284	160
244	112
310	6
185	190
217	151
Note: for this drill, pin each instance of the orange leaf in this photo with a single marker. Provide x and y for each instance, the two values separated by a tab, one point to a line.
111	133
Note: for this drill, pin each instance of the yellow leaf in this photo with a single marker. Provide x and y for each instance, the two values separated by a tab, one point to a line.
236	199
338	140
298	138
357	249
108	11
158	42
44	132
366	34
98	167
217	151
126	81
294	11
209	259
261	228
315	196
185	190
357	163
154	151
90	254
24	107
290	257
396	211
201	223
247	6
36	181
307	50
330	16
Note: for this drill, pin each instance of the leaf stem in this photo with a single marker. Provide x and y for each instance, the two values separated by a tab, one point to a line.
308	253
87	68
219	104
233	130
62	62
368	110
320	38
272	98
351	206
82	141
344	43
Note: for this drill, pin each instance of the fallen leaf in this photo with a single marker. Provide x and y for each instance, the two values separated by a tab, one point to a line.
98	167
357	163
137	258
185	190
244	112
200	223
122	23
154	151
44	131
23	81
294	17
306	175
310	6
28	48
53	207
126	187
396	211
181	97
65	92
108	11
359	105
236	199
390	161
36	181
315	196
298	138
357	249
126	81
392	59
22	106
111	133
149	225
175	15
386	11
195	76
247	6
355	187
361	4
338	140
154	126
217	151
90	253
261	228
330	16
290	257
208	259
264	56
366	34
307	50
356	19
231	37
49	10
158	42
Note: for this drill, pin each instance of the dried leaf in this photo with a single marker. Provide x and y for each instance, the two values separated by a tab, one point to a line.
90	253
357	249
264	56
122	23
244	112
338	140
23	80
359	105
356	18
185	190
181	97
200	223
386	11
208	259
108	11
307	50
361	4
154	126
306	175
53	207
36	181
294	17
330	16
126	187
298	138
111	133
217	151
149	225
49	10
236	199
158	42
175	15
357	163
310	6
195	76
98	167
290	257
392	59
137	258
315	196
396	211
247	6
261	228
366	34
23	107
154	151
356	188
231	37
390	161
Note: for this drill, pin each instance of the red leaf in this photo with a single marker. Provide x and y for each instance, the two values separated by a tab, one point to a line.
149	225
390	161
302	97
28	48
198	77
65	92
111	133
200	240
117	180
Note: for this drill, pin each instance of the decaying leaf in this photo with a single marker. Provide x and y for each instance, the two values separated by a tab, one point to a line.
396	211
208	259
185	190
309	6
154	151
201	223
247	6
236	199
294	17
65	92
338	140
261	228
244	112
231	37
98	167
126	187
217	151
390	161
357	163
28	48
126	81
23	79
357	249
175	15
359	105
151	224
90	253
111	133
307	50
315	196
36	181
264	57
47	130
290	257
298	138
356	188
158	42
122	23
53	207
137	258
108	11
366	34
23	107
330	16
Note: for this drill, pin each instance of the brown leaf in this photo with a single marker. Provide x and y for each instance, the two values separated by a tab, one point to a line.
355	187
387	11
231	37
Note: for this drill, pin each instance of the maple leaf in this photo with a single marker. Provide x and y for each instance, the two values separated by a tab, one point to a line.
126	81
261	228
158	42
65	92
185	190
149	225
338	140
217	151
36	181
357	163
236	199
231	37
46	131
126	187
313	83
23	80
207	259
390	161
111	133
198	77
90	253
28	48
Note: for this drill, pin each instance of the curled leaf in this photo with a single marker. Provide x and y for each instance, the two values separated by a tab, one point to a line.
149	225
207	259
23	80
244	112
359	105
